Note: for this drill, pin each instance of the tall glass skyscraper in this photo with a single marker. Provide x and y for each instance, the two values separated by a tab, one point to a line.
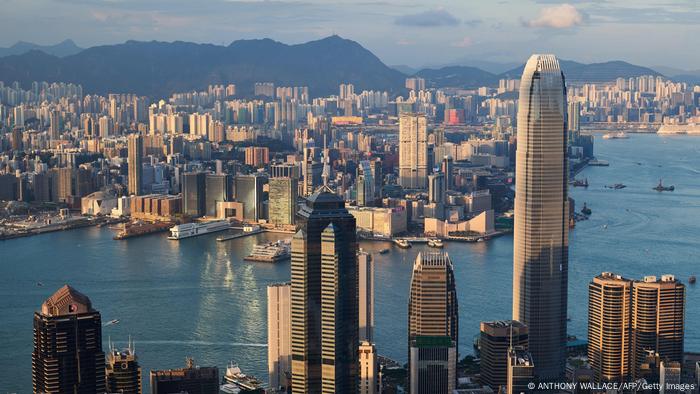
541	245
324	297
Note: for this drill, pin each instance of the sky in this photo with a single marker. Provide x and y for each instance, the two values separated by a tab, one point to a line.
400	32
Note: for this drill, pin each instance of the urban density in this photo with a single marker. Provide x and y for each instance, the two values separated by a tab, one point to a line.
344	179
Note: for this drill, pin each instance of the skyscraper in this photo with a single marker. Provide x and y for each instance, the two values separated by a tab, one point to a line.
194	194
283	200
432	309
670	377
324	297
217	187
521	371
448	170
67	356
249	191
365	267
279	335
413	151
658	311
540	255
135	148
609	311
495	339
123	372
433	364
369	369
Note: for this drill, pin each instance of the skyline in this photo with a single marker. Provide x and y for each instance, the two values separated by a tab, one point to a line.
445	33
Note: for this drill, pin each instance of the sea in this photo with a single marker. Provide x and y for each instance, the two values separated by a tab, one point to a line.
198	298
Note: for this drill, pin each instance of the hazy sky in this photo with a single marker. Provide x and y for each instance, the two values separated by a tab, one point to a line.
415	33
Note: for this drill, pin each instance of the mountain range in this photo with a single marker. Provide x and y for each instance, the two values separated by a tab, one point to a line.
63	48
158	69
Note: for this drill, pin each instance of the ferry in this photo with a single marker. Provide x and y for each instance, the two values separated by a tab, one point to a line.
112	322
270	252
616	136
435	243
580	183
188	230
402	243
384	251
235	377
616	186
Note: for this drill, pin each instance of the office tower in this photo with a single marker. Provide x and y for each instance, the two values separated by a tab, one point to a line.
249	191
448	170
324	297
495	339
658	308
313	172
283	200
194	194
365	269
540	255
191	379
123	372
432	304
436	188
279	335
433	365
413	151
284	170
217	187
574	121
365	184
521	371
670	377
378	176
67	356
135	148
61	184
369	369
609	311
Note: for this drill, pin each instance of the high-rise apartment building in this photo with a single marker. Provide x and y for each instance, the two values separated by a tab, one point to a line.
122	371
279	336
433	365
257	156
365	269
413	151
609	311
495	339
658	311
68	356
135	150
284	193
541	244
324	297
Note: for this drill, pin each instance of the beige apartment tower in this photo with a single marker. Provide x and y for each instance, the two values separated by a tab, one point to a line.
413	151
369	369
540	240
609	311
279	336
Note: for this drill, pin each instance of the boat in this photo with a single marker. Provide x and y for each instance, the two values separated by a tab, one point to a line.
435	243
616	136
402	243
616	186
188	230
39	284
661	188
691	280
112	322
270	252
229	388
384	251
585	210
234	376
598	163
580	183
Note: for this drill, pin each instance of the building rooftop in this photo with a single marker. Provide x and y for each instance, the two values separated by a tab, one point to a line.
66	301
423	341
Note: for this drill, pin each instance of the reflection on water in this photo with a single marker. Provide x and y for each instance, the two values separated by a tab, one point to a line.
197	297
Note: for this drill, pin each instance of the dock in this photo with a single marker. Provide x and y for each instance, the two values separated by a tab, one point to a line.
239	235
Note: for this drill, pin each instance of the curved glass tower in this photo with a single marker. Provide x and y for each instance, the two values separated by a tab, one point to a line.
540	255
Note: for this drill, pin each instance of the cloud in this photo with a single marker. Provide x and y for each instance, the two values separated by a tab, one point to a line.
432	18
463	43
561	16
